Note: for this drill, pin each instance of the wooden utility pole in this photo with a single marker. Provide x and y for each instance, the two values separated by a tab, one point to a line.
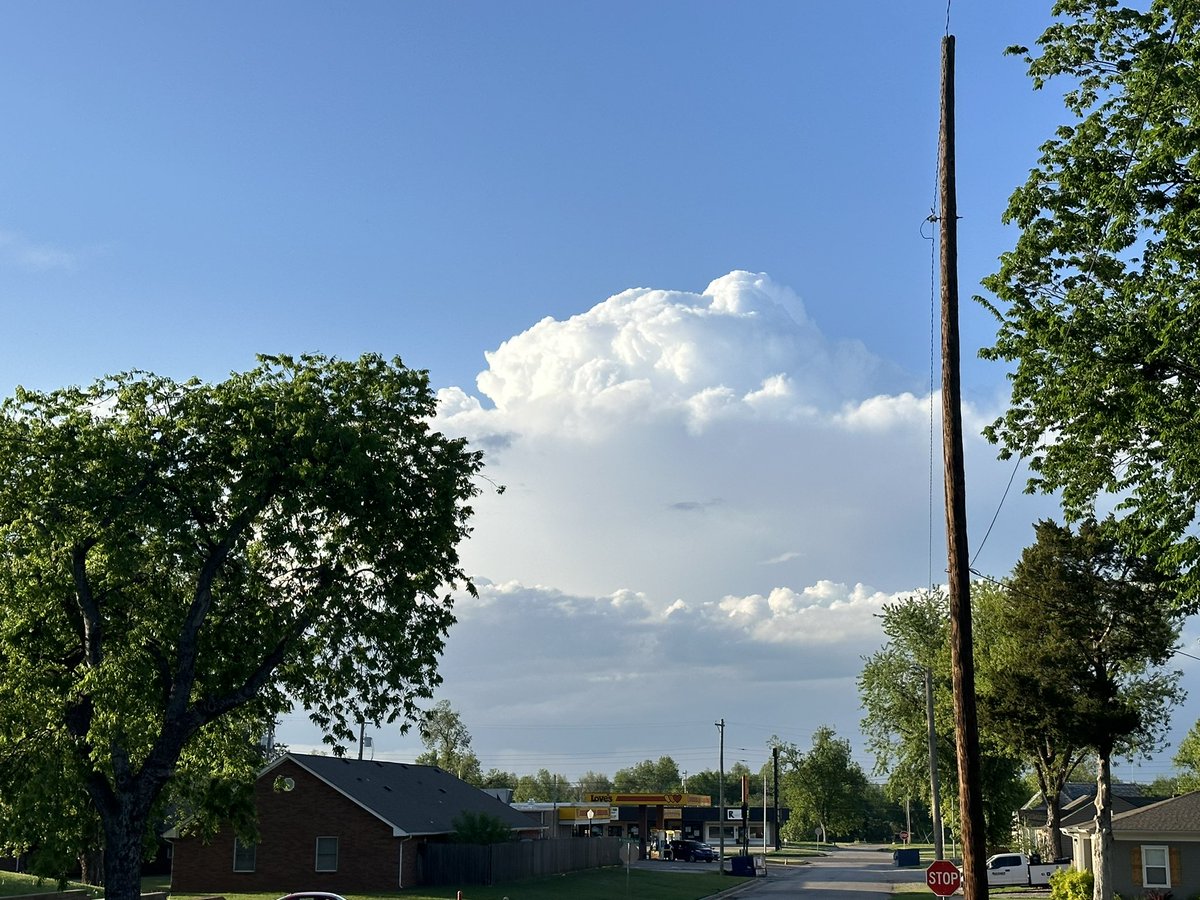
966	727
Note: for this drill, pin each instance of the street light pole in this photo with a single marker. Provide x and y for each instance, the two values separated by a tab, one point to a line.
721	796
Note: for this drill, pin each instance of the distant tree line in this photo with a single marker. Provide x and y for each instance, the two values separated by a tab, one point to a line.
828	794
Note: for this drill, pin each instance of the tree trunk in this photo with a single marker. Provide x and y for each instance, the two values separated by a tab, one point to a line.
1102	842
1053	829
91	870
123	854
124	810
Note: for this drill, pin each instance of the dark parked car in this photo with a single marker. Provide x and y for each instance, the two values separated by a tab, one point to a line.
692	851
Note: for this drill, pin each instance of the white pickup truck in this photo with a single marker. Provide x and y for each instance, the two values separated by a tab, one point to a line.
1016	868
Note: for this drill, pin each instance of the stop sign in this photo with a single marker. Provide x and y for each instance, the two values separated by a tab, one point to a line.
943	877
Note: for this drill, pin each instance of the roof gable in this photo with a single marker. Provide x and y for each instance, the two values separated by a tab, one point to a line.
1176	815
412	799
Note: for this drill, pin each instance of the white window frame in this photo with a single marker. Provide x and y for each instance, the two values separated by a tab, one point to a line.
1147	849
317	855
241	851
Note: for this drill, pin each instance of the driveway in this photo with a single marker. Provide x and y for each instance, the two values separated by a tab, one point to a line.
848	873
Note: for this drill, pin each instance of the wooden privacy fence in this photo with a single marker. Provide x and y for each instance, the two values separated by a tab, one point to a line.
495	863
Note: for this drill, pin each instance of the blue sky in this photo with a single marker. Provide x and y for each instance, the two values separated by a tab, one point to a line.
708	499
262	176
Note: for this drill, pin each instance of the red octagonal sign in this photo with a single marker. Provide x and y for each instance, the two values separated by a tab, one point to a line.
943	877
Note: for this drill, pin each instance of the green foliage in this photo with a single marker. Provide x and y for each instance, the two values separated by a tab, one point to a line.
1071	884
479	828
649	775
496	778
707	782
1108	624
181	560
892	689
544	787
594	782
1187	758
448	743
825	789
1098	303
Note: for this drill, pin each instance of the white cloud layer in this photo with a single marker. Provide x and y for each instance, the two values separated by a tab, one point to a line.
671	443
743	350
708	504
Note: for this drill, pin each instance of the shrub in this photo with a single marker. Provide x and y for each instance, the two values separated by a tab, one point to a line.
1070	884
480	828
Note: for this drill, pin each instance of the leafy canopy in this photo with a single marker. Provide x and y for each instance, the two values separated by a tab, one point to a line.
180	561
1098	303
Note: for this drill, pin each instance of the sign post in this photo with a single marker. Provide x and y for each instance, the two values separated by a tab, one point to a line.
943	877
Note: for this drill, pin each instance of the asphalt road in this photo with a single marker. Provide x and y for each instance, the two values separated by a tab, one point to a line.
845	874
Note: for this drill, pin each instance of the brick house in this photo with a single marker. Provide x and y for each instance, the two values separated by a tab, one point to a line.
333	824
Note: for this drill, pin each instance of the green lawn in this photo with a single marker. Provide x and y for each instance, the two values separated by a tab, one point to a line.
594	884
611	883
12	884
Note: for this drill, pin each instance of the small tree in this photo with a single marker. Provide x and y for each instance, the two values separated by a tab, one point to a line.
1187	758
448	743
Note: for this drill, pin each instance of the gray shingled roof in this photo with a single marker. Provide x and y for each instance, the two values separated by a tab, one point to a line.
1074	791
1175	816
1179	814
413	799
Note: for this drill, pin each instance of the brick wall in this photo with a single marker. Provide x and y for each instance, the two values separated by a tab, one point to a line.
369	857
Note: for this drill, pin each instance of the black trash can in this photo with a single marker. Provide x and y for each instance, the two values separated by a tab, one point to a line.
907	856
741	865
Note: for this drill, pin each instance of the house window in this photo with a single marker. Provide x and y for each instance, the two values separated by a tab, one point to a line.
1156	867
327	852
243	856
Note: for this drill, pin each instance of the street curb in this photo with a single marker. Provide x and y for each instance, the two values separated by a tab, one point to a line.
747	886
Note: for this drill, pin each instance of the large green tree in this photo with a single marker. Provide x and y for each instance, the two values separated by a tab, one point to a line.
180	561
1023	703
1098	302
895	723
1114	617
448	743
825	789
